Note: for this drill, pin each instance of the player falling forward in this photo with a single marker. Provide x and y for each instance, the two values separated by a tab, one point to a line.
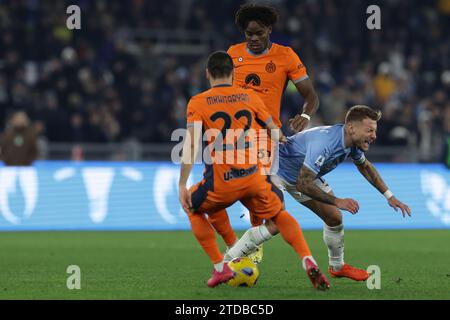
266	67
304	160
225	108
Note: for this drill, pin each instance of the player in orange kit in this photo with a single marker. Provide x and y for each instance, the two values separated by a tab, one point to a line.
266	68
223	111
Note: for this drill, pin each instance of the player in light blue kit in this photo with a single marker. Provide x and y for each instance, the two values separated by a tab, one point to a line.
303	161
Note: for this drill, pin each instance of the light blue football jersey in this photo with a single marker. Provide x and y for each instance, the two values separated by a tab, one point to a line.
320	149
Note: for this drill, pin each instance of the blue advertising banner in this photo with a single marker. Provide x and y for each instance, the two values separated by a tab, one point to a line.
144	196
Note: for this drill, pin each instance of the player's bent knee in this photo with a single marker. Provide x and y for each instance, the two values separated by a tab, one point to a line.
334	220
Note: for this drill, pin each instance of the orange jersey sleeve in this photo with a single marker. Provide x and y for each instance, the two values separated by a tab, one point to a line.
296	69
193	113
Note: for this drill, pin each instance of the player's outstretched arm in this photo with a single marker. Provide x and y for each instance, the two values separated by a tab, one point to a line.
187	161
368	170
305	184
306	90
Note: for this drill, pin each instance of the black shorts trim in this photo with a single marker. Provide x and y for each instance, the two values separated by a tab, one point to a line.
199	195
275	189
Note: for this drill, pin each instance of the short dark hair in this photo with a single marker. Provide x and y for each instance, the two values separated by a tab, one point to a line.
360	112
220	64
262	14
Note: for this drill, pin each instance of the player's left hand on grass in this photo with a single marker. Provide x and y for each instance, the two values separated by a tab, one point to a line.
396	204
185	199
298	123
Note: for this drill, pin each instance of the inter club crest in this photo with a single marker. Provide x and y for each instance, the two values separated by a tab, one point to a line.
271	67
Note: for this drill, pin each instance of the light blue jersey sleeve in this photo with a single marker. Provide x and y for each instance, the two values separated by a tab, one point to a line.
357	156
316	154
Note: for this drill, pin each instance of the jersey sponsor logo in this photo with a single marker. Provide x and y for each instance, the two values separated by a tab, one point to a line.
253	79
271	67
239	173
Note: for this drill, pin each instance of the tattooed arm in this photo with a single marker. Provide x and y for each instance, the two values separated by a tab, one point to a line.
305	184
371	174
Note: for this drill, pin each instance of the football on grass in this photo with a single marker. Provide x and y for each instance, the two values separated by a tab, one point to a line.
246	273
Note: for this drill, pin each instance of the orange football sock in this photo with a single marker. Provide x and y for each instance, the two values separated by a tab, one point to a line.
292	233
206	236
221	223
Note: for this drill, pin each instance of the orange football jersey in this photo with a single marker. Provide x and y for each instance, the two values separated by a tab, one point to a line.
222	108
267	73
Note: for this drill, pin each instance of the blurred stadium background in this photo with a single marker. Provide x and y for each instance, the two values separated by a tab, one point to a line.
115	91
118	87
103	102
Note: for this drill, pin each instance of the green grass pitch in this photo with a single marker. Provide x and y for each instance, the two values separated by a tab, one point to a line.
415	264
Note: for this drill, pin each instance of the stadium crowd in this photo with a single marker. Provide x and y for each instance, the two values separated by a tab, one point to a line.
97	84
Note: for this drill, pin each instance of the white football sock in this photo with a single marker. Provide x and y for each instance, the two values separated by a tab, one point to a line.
251	239
261	234
218	266
334	239
229	247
